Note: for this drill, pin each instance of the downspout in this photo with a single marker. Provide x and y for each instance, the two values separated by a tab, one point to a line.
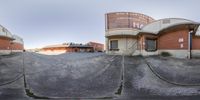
189	43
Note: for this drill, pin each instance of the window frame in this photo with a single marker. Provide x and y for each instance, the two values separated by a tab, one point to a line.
114	49
146	45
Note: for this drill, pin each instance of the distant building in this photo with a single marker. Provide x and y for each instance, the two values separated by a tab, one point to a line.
130	33
67	47
98	47
9	43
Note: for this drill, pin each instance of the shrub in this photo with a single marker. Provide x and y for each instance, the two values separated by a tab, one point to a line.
165	54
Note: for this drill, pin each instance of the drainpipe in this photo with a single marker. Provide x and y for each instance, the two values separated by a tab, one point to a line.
189	44
11	47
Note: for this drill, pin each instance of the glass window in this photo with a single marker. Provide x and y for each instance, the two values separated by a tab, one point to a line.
114	45
151	45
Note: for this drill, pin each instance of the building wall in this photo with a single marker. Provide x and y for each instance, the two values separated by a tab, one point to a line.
17	46
195	53
141	45
4	46
196	42
126	45
65	49
176	53
126	20
4	43
175	40
97	46
170	42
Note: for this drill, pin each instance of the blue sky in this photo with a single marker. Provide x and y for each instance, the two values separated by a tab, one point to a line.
44	22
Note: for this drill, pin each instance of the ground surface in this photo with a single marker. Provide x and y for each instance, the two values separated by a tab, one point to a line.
96	76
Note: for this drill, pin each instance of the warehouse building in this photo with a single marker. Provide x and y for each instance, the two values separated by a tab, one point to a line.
9	43
98	47
67	47
130	33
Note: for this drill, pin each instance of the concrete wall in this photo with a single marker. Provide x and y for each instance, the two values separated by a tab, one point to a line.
126	46
5	52
195	53
176	53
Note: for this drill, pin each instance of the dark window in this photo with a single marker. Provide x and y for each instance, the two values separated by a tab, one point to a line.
151	45
114	45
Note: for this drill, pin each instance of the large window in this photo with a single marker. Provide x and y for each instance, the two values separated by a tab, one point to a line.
151	45
114	45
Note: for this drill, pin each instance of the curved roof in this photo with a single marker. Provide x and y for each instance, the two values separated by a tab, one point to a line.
158	25
4	32
18	39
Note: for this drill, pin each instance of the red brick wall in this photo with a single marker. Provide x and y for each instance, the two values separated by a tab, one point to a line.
170	40
196	43
127	20
17	46
4	44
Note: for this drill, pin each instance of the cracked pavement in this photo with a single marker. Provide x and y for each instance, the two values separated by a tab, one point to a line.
85	76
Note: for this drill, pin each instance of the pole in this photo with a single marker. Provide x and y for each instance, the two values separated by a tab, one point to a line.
189	44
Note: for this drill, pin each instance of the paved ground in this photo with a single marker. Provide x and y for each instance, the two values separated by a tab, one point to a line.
182	71
91	76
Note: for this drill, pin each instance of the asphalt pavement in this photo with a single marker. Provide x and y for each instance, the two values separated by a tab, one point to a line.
87	76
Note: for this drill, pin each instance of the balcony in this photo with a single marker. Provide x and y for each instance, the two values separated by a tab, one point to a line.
121	32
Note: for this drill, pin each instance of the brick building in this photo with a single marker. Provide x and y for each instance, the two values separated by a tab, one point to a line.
137	34
98	47
9	43
67	47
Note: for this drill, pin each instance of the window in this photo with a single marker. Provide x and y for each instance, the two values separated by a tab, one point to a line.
114	45
151	45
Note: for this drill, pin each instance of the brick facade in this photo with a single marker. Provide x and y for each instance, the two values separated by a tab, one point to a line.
127	20
97	46
196	42
5	43
174	40
17	46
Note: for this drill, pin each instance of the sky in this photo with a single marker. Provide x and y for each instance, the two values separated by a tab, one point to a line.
46	22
